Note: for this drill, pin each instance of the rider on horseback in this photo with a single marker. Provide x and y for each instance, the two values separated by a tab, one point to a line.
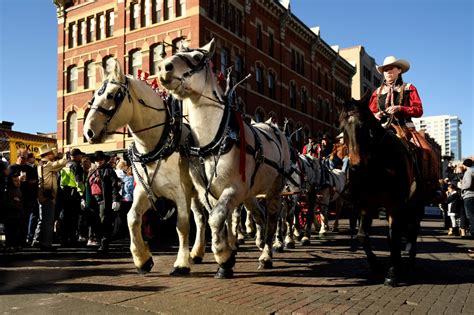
395	103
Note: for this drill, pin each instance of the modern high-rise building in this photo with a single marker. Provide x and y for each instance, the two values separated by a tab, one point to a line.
446	130
295	73
366	79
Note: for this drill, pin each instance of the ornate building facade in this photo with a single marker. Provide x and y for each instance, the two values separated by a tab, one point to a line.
295	73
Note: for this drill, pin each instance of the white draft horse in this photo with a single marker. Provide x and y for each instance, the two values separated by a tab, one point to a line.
159	169
218	145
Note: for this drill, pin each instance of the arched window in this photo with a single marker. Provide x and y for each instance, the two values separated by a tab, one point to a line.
134	62
259	79
304	98
293	94
224	60
238	68
89	75
71	126
108	64
271	85
155	58
72	79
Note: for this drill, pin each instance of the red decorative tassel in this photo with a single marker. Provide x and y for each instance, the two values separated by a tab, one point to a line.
220	76
154	84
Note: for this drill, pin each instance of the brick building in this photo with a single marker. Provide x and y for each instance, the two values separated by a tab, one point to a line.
295	74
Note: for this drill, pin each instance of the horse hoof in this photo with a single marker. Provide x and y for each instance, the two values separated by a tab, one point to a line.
265	264
322	235
180	271
391	282
147	266
241	241
197	260
305	241
278	249
224	273
290	245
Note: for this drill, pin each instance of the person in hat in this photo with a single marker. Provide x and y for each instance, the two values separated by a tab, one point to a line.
103	196
395	97
72	189
398	101
339	157
48	169
312	148
467	192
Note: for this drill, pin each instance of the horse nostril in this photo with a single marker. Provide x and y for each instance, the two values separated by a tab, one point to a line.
169	67
90	133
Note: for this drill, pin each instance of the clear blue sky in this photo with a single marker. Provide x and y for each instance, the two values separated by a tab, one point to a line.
436	36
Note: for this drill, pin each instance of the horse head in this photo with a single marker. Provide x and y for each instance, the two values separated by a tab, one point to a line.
186	73
359	126
106	111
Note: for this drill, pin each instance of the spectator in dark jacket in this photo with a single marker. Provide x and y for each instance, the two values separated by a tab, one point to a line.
455	206
467	190
14	212
104	198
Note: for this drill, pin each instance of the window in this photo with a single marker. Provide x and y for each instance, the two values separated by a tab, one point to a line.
110	23
89	75
156	8
259	115
180	7
108	64
218	11
259	79
210	9
232	18
304	98
270	44
72	79
71	37
238	68
377	82
326	81
100	26
271	85
224	61
80	32
71	128
367	74
135	62
292	94
144	13
134	15
90	29
239	26
293	59
225	13
318	77
259	36
168	9
155	59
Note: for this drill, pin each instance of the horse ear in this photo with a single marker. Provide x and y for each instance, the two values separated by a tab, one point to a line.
210	48
118	74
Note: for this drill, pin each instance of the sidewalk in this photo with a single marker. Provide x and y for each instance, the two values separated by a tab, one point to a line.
326	277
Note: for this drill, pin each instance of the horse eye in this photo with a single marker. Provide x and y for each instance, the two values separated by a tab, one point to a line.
110	96
197	58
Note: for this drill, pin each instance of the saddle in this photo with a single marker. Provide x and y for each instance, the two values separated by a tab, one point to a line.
426	160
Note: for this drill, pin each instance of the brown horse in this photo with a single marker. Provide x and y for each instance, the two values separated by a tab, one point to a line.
383	174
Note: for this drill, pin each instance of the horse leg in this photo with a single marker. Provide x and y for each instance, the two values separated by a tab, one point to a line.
363	236
255	210
199	247
305	241
224	251
290	224
182	265
339	204
140	252
273	207
237	226
250	223
395	244
324	212
281	227
413	217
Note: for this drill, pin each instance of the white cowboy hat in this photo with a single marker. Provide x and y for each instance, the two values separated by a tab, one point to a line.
341	135
393	61
45	149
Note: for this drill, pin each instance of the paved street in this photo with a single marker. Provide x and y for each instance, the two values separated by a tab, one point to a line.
326	277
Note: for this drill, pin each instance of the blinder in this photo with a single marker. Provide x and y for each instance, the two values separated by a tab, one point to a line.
118	98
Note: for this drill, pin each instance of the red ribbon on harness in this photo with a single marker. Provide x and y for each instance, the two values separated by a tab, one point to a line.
243	145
